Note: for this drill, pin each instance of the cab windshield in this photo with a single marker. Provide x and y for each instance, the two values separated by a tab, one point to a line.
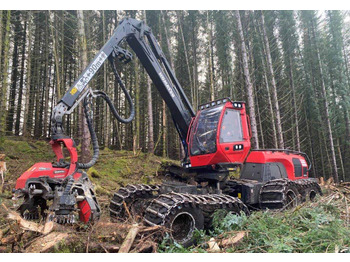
204	131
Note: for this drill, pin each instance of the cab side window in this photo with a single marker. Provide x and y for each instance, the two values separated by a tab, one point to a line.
231	127
297	167
274	171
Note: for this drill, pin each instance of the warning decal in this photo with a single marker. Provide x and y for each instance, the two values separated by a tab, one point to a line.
90	71
303	162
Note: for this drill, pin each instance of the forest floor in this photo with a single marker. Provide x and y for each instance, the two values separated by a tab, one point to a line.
321	226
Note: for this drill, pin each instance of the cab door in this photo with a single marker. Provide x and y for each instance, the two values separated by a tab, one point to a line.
233	138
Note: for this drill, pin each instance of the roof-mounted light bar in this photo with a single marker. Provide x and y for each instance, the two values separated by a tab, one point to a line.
235	104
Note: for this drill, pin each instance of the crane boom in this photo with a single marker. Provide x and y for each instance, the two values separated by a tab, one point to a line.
141	39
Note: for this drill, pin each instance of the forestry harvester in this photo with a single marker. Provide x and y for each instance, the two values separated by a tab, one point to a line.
216	141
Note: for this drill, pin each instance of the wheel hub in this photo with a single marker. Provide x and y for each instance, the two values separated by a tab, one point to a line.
182	227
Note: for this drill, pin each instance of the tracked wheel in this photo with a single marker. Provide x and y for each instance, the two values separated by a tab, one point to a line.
312	192
309	189
177	212
279	194
135	198
184	213
182	222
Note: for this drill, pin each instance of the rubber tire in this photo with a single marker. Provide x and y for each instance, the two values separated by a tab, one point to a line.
310	194
296	193
198	217
283	205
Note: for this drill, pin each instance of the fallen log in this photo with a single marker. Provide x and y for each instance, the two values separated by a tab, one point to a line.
116	226
8	240
213	246
330	181
32	226
321	181
145	247
4	232
233	240
129	240
108	248
43	244
24	224
149	229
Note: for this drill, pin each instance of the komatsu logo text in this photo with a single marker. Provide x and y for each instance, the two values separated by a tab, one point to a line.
166	84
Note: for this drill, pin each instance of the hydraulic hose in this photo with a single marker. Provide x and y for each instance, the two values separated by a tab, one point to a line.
103	95
127	96
95	147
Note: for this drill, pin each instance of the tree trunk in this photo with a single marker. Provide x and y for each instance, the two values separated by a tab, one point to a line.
186	54
13	90
326	110
150	117
211	59
137	107
55	54
294	103
270	105
85	142
21	81
106	88
47	78
164	154
28	79
273	83
1	28
149	110
249	87
3	88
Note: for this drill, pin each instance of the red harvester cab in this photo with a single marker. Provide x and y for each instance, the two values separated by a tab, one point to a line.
219	134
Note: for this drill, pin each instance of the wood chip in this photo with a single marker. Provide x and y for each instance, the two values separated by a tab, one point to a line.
8	240
129	240
43	244
48	227
321	181
233	240
24	224
213	246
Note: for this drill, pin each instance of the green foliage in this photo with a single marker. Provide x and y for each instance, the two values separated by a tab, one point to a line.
306	230
119	168
223	222
21	155
168	246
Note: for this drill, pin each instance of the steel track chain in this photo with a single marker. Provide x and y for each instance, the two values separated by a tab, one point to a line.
157	213
305	186
128	195
273	195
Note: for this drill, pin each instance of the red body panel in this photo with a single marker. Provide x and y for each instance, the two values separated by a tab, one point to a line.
41	170
224	151
85	211
69	144
286	159
47	170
